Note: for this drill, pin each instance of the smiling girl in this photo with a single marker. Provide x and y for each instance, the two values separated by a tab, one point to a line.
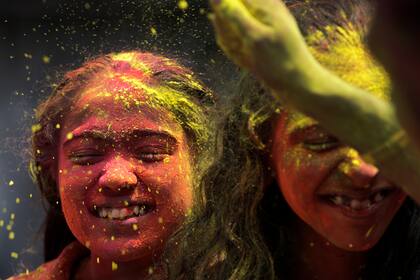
117	150
289	200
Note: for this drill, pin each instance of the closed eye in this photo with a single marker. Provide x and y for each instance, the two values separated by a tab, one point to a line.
85	157
153	154
321	144
152	157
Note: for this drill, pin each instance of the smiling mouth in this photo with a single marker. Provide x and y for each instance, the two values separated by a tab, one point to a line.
123	213
357	203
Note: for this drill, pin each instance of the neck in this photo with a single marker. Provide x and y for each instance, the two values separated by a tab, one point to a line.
318	259
94	267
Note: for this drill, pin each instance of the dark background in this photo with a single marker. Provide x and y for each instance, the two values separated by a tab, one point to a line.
39	41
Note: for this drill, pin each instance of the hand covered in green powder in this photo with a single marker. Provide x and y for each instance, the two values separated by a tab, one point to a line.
263	37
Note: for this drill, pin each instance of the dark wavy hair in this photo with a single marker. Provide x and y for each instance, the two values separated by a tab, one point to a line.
180	92
240	226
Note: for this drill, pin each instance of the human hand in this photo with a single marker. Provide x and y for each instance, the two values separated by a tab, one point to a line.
263	37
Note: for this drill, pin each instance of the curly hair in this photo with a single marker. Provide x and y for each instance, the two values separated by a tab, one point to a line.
170	86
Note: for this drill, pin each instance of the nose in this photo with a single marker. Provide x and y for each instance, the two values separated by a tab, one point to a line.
118	176
360	173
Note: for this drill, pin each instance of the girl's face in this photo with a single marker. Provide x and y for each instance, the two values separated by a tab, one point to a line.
124	177
329	186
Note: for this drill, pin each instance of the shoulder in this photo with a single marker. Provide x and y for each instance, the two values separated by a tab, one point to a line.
58	269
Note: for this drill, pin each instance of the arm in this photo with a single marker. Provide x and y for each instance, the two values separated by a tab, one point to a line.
262	36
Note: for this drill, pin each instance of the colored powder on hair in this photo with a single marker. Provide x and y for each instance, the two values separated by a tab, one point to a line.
343	51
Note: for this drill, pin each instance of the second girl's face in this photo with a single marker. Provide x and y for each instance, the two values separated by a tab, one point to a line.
329	186
124	176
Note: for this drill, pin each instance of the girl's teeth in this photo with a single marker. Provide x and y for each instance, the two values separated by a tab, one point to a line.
103	213
378	197
338	200
115	213
355	204
121	213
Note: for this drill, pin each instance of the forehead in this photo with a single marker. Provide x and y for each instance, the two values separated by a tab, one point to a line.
115	103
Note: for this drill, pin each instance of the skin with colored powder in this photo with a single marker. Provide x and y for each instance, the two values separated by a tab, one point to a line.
289	199
253	34
119	147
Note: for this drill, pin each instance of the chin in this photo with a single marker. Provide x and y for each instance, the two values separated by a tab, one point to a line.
355	243
127	250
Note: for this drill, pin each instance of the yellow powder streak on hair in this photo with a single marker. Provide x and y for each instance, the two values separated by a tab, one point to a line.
343	51
130	58
171	99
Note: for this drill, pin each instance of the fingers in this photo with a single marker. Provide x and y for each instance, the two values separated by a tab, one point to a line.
232	14
267	12
236	30
229	42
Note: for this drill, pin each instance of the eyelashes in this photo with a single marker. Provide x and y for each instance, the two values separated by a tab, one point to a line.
145	154
321	144
152	154
152	157
86	157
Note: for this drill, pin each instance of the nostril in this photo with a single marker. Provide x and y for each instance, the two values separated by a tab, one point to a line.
117	182
124	189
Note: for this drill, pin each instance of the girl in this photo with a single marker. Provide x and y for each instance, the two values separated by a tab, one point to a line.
263	37
116	152
287	199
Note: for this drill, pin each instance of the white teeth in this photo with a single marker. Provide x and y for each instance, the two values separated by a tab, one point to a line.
378	197
338	200
355	204
142	210
115	213
121	213
102	213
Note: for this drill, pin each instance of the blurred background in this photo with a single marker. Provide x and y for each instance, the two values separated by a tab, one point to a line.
39	41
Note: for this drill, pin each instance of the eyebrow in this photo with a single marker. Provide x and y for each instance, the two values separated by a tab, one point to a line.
136	133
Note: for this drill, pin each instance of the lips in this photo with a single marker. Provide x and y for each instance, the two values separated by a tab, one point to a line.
123	213
358	204
118	212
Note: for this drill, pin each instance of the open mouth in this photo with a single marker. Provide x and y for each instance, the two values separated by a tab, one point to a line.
359	203
123	213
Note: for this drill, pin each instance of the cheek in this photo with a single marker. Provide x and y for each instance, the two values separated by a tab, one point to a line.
300	174
297	173
171	181
75	180
74	184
